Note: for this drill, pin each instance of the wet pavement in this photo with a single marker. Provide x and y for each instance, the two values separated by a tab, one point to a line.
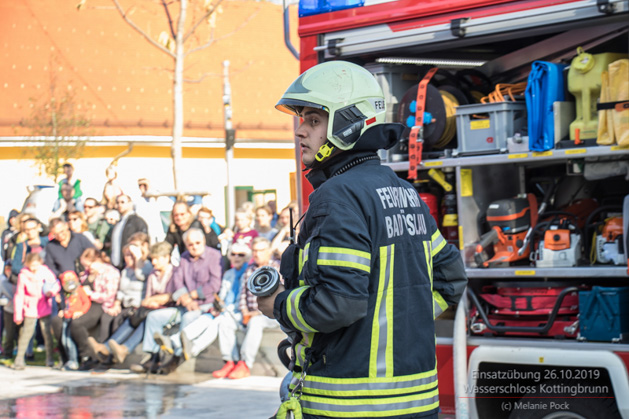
39	392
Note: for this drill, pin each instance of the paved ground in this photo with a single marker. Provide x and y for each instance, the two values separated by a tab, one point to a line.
39	392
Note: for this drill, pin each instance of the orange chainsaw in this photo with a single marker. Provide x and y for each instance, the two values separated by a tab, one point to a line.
510	221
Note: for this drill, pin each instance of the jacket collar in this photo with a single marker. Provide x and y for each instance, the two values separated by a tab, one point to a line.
319	175
382	136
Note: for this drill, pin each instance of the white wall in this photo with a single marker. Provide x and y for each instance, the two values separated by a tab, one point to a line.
197	175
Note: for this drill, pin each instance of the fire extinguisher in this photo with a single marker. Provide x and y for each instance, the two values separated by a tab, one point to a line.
429	199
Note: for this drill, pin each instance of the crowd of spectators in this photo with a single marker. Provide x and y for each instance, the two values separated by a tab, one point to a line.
100	278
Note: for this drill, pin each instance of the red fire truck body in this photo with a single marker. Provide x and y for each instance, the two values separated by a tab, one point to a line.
507	36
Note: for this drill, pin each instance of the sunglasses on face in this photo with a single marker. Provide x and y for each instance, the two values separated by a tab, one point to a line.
242	255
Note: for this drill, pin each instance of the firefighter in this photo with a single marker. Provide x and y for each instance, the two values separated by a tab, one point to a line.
369	271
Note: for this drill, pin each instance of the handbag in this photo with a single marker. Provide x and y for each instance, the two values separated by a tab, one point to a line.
139	316
172	326
142	312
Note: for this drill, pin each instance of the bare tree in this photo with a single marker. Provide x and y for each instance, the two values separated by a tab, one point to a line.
58	128
181	34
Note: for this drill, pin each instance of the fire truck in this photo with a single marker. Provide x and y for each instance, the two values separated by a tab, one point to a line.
542	331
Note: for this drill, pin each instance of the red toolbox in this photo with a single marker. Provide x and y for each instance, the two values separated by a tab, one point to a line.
529	309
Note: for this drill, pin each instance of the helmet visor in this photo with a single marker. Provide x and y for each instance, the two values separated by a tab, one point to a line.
295	106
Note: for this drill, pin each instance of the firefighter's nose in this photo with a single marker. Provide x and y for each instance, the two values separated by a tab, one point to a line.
300	132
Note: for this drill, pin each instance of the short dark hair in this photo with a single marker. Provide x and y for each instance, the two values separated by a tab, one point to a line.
139	236
265	208
160	249
53	223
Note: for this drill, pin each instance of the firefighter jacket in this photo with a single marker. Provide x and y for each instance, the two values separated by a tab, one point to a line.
368	275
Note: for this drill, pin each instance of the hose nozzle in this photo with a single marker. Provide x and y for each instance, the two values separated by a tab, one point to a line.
264	281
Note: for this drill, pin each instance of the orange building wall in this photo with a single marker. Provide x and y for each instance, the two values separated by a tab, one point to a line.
125	83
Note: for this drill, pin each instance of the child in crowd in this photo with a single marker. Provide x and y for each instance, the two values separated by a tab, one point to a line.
31	303
76	303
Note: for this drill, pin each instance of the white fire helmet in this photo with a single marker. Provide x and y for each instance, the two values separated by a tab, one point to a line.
348	92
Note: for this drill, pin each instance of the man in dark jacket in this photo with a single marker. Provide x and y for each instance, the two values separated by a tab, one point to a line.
129	224
370	271
65	248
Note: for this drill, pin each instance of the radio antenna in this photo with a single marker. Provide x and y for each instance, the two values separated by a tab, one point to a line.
292	227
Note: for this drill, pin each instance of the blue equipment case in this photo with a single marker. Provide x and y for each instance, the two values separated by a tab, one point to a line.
604	314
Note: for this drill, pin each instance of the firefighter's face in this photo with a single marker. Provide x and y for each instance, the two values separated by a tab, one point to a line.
311	133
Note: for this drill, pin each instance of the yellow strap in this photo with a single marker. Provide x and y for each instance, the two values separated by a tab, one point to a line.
324	151
289	406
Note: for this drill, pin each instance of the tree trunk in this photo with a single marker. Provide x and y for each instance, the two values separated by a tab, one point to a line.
178	95
53	122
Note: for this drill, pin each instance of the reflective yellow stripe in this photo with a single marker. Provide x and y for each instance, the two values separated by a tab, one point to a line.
341	256
439	304
370	386
428	260
372	407
427	255
300	355
437	242
300	348
303	256
294	315
381	351
430	253
389	352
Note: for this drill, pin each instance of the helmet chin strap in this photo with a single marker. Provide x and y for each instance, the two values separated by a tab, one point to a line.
324	151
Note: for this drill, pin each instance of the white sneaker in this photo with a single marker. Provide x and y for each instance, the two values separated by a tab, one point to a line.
71	366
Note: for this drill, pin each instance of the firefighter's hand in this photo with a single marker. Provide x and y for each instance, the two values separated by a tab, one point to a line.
265	304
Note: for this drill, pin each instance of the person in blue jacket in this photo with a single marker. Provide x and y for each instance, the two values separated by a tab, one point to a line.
369	272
